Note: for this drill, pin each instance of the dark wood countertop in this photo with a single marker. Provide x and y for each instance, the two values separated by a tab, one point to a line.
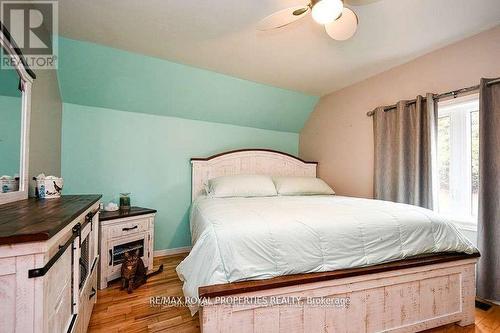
119	214
32	220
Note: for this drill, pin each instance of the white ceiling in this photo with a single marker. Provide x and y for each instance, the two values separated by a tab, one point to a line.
220	35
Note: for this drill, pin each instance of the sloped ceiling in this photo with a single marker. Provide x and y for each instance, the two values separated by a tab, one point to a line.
220	35
95	75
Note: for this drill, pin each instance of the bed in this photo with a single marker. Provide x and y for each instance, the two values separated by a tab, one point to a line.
401	268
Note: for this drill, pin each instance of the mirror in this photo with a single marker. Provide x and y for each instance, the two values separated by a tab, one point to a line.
16	79
11	116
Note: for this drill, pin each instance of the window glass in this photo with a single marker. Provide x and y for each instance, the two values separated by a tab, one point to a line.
458	159
474	128
444	163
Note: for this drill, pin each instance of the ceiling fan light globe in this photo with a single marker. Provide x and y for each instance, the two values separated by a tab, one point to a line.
327	11
343	28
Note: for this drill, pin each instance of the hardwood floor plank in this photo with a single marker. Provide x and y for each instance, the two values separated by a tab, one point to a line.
119	312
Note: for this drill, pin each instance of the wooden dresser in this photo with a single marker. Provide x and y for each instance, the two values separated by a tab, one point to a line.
48	264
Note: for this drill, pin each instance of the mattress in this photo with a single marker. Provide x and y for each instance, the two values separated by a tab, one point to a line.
237	239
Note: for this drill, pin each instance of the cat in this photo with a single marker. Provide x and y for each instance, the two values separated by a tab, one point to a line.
134	273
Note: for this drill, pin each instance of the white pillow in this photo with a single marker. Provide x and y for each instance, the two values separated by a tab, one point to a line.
301	186
241	186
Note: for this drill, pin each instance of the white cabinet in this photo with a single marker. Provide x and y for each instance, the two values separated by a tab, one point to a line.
123	234
86	271
44	286
58	297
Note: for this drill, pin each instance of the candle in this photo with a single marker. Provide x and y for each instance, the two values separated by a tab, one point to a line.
124	201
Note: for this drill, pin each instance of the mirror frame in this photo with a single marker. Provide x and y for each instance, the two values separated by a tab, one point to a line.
26	76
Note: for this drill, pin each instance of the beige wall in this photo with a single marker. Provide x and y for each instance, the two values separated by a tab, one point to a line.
45	127
339	135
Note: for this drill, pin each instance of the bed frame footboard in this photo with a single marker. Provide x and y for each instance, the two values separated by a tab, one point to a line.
400	300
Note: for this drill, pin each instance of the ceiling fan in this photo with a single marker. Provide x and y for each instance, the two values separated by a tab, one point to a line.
340	22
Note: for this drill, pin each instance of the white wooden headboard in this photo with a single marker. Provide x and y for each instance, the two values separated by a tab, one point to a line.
247	162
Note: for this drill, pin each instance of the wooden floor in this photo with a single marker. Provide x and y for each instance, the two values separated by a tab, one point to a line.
117	311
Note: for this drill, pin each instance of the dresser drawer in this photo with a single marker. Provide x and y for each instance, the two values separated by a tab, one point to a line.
128	228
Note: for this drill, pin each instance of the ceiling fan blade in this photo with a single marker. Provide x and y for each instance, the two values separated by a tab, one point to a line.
282	18
344	27
360	2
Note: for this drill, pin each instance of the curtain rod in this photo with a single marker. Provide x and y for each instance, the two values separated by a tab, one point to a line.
453	93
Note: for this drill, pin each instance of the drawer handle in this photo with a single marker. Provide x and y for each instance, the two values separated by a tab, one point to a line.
110	257
92	293
131	228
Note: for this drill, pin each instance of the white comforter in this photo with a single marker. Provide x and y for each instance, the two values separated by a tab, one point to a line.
238	239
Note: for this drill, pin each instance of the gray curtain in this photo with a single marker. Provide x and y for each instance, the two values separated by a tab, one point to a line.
488	270
405	151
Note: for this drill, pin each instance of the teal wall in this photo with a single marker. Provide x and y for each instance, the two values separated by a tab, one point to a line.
108	151
10	135
10	122
131	123
95	75
9	83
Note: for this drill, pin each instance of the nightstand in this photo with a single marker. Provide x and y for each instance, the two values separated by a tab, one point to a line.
120	232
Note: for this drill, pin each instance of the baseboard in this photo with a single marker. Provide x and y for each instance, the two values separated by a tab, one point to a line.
493	301
169	252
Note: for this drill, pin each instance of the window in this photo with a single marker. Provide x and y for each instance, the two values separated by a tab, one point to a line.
458	158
